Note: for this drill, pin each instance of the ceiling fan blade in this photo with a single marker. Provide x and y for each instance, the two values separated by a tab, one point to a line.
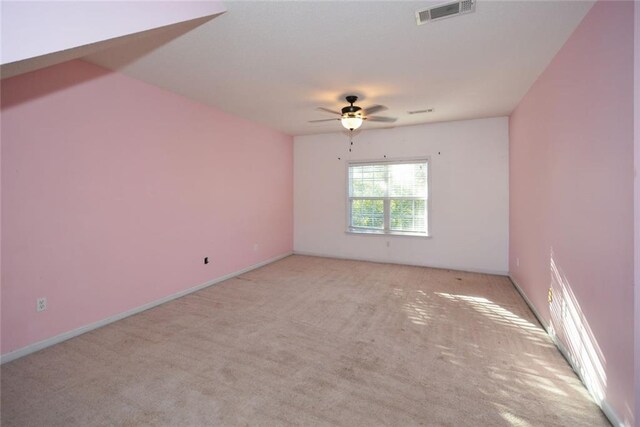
326	110
381	119
322	120
374	109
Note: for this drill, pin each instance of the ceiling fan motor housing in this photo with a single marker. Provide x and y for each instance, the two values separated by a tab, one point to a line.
351	108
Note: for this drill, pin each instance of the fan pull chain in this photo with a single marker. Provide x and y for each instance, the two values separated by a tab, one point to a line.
350	139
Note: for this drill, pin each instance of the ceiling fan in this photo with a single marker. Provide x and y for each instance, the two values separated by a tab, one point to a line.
352	115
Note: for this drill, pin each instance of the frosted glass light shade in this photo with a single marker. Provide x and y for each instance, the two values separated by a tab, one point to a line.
351	122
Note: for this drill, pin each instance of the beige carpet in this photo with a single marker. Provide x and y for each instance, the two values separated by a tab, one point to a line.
311	341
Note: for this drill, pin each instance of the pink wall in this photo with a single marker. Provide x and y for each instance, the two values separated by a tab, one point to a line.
571	200
113	191
636	121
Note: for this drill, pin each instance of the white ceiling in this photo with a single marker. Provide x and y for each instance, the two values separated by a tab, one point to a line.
274	62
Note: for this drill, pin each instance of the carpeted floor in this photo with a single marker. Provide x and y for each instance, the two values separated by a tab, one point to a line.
311	341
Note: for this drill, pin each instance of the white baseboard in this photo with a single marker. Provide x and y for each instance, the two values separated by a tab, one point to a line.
532	307
603	404
31	348
385	261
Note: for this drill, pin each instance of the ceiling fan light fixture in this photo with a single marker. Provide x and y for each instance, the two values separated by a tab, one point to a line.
351	121
352	116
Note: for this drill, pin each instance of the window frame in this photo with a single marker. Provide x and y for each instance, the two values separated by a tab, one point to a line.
386	231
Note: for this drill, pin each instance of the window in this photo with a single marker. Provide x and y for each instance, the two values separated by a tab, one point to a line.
388	197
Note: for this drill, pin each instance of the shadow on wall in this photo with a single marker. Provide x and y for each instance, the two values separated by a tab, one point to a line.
572	330
63	78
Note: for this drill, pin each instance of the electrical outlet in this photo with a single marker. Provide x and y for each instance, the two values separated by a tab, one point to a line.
255	247
41	304
517	262
388	244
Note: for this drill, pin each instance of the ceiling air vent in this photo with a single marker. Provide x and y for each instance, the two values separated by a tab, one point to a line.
446	10
428	110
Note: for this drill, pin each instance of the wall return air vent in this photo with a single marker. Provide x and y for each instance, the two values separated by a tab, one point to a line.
446	10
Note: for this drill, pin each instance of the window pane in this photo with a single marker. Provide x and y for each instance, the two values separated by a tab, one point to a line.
367	214
408	180
367	181
408	215
401	188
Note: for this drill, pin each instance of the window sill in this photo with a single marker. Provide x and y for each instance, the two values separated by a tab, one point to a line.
382	233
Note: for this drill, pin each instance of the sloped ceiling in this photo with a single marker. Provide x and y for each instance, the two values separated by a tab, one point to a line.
37	34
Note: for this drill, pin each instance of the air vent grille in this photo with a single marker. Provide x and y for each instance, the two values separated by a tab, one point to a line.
427	110
445	11
423	16
466	6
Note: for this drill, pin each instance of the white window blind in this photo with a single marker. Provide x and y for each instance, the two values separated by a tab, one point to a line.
388	197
